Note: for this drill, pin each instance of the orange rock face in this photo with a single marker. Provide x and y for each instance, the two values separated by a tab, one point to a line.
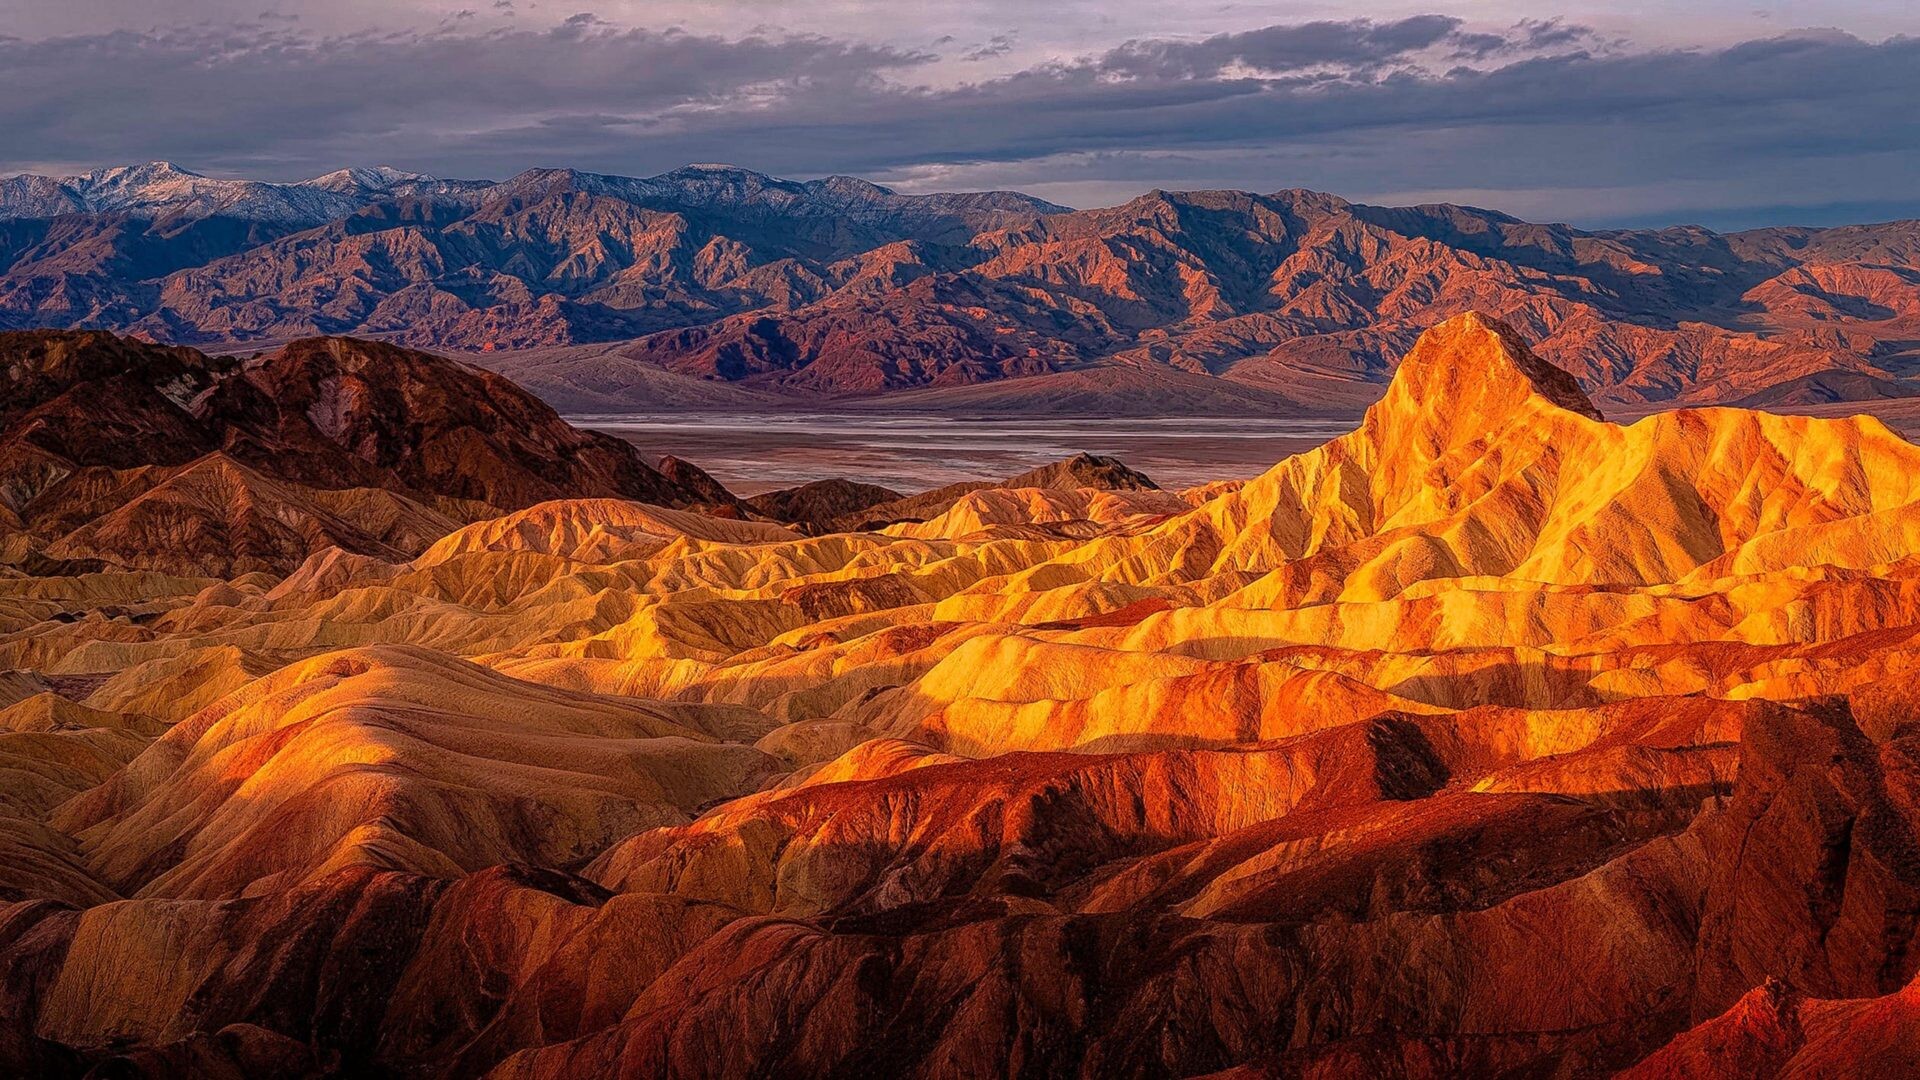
1492	739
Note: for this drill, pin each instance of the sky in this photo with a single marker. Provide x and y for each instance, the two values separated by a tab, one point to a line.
1727	114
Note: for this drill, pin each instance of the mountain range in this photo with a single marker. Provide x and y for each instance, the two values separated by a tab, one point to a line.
714	285
357	719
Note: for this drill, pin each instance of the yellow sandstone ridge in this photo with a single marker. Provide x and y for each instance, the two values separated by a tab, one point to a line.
1490	738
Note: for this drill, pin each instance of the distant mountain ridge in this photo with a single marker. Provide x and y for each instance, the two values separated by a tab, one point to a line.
1293	300
161	189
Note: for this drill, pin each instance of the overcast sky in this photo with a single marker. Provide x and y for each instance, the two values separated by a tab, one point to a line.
1723	113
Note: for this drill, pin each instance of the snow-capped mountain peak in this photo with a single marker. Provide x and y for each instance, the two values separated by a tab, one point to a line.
161	189
366	178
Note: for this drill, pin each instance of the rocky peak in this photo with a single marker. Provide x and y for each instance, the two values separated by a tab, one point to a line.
817	507
710	167
852	190
362	179
153	172
39	365
696	480
1470	375
723	183
1085	471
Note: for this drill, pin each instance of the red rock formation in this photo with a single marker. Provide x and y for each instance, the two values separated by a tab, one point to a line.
1492	738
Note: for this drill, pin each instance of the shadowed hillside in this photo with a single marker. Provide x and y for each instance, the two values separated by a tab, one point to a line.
122	453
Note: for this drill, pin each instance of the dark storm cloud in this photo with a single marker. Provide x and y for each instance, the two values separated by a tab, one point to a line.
1790	97
1359	43
262	96
1542	109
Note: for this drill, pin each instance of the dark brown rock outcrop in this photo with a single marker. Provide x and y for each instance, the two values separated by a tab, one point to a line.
121	451
819	505
1079	471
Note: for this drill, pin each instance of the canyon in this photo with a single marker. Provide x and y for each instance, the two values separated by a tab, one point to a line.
362	717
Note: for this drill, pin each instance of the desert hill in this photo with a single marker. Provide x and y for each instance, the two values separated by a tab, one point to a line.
118	452
718	285
1493	738
825	506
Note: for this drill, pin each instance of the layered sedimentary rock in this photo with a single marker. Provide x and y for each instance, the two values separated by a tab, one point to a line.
1493	738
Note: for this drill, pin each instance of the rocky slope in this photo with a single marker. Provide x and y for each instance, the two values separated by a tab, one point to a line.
826	506
131	454
818	505
1292	300
1493	738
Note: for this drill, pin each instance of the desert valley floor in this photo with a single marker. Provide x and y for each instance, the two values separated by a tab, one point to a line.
754	453
360	717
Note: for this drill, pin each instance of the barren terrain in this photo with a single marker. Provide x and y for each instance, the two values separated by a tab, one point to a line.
1491	738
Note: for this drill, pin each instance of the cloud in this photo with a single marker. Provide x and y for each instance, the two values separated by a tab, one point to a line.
998	45
271	97
1543	113
1360	43
1528	36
